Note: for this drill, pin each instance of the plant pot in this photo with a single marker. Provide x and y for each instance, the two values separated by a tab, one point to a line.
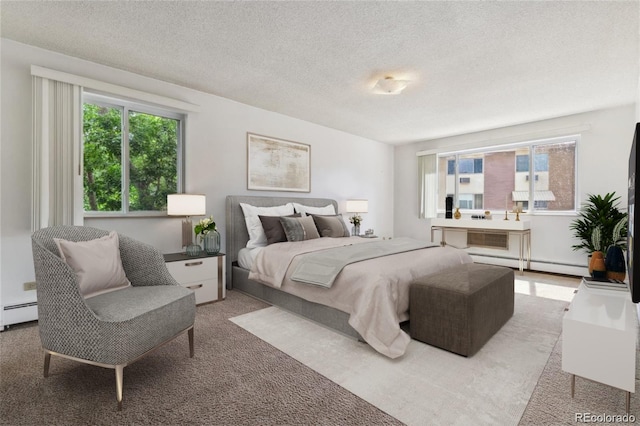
597	267
615	264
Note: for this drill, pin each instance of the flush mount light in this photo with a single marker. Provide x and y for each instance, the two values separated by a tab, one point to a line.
390	86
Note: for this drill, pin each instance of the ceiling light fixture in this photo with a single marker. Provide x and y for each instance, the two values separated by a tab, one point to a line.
390	86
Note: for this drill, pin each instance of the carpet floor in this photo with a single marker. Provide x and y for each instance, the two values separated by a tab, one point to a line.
235	378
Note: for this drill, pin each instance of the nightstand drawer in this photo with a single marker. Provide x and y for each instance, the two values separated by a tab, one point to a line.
192	270
203	274
205	290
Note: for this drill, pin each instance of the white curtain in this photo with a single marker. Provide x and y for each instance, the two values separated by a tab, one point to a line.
427	186
57	169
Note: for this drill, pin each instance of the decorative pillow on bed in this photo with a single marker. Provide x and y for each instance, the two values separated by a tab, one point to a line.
257	237
299	228
273	228
331	226
97	264
309	210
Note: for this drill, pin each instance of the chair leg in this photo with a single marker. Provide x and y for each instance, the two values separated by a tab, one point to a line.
119	378
47	361
191	347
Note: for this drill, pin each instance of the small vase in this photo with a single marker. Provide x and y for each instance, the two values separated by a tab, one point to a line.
457	214
355	231
615	264
597	267
211	242
193	250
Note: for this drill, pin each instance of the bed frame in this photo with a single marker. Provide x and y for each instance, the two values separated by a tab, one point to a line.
238	278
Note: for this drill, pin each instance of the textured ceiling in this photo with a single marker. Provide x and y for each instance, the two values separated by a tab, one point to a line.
473	65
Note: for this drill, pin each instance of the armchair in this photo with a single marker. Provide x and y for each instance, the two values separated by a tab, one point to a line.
113	329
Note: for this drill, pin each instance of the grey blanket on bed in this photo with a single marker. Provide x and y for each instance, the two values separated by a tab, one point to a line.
322	267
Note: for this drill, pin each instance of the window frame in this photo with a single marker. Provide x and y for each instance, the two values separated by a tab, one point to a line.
531	144
126	105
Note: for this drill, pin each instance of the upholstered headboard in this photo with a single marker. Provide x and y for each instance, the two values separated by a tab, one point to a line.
236	234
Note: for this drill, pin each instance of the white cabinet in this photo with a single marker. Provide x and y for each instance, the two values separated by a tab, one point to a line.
205	275
599	334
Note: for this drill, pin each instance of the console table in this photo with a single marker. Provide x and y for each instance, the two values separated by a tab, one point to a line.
521	228
599	332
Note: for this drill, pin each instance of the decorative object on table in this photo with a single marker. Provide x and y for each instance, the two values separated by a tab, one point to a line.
193	250
487	215
599	212
614	260
207	233
277	164
187	205
357	207
517	211
457	214
356	219
596	244
506	215
449	208
597	266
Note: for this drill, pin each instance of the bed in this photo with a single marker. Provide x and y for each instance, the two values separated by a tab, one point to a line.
372	314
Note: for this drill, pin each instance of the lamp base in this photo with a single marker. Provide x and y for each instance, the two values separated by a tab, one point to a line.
187	232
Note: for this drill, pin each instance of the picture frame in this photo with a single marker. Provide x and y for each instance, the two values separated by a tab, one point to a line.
277	165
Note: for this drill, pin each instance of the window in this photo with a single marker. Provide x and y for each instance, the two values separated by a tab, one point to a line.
467	165
132	156
541	163
498	178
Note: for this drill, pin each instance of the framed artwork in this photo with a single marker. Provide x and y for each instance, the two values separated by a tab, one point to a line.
277	165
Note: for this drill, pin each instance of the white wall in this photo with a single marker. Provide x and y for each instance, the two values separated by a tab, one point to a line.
215	159
603	155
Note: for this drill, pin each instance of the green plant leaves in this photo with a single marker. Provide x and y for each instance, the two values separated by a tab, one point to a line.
603	213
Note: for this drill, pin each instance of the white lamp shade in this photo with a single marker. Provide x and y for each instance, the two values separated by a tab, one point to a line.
357	206
186	205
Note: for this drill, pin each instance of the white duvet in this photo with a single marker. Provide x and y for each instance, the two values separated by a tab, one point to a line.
375	293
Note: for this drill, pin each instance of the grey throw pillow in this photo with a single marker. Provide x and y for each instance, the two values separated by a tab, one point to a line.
331	226
299	228
273	228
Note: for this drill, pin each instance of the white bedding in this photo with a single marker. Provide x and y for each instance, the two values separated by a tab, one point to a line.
375	293
246	256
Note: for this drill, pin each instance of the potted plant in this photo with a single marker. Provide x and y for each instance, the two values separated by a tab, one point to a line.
356	219
600	215
208	234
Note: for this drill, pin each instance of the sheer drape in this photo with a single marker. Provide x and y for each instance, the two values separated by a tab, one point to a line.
57	170
427	186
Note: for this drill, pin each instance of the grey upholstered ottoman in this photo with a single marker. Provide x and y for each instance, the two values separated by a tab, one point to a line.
460	308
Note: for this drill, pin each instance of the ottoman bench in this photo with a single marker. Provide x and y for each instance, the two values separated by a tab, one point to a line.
460	308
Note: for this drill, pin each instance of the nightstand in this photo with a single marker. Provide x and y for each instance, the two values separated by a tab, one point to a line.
204	274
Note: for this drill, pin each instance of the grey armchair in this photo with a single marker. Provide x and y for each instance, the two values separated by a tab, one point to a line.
114	329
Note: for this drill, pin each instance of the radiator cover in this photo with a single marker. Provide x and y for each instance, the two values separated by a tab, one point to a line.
488	239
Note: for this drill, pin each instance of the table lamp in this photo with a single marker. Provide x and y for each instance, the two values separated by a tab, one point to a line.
186	205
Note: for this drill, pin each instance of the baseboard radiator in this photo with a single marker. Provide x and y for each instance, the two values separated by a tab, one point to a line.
536	264
18	313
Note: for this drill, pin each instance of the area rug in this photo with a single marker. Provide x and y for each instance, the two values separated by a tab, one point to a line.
427	385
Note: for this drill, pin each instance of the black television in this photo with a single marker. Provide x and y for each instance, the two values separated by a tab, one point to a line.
633	256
